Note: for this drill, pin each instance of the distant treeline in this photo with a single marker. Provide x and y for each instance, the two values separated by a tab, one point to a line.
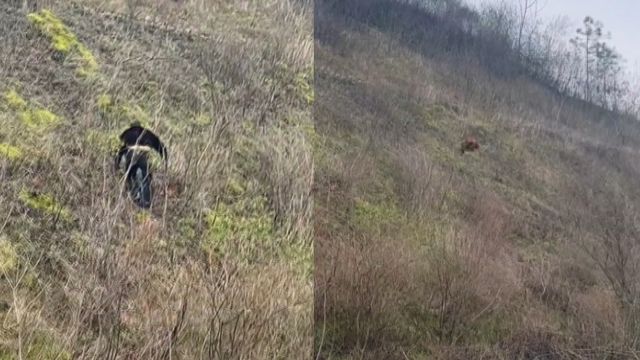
508	38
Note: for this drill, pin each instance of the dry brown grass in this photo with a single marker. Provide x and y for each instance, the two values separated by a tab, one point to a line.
521	250
220	266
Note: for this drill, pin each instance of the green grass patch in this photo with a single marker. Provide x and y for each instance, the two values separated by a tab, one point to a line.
45	203
235	187
80	242
377	217
187	229
513	147
5	354
448	156
439	116
143	216
120	113
8	256
102	141
241	229
300	257
134	112
104	103
44	347
303	81
202	119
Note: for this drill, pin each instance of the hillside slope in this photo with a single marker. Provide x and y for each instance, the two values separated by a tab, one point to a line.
220	268
525	249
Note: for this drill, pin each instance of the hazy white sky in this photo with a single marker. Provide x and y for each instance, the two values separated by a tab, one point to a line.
619	17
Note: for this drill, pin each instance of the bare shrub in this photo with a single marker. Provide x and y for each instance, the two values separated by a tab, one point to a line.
464	282
490	218
600	317
615	245
359	284
288	168
450	275
420	182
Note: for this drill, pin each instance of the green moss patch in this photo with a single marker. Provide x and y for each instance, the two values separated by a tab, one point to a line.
39	118
15	101
45	203
10	152
89	63
34	117
64	40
